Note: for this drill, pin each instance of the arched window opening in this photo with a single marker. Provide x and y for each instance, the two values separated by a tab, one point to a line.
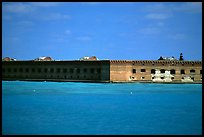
27	69
92	70
45	70
58	70
71	71
39	70
182	71
9	70
21	69
172	71
64	70
51	70
78	70
143	70
15	70
192	71
33	70
162	71
152	71
98	70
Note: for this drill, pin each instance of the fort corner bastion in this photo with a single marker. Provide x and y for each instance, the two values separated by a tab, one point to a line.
94	70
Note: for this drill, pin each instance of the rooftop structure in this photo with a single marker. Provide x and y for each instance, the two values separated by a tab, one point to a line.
89	58
43	59
8	59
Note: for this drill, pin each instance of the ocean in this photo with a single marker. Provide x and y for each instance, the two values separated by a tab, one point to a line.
70	108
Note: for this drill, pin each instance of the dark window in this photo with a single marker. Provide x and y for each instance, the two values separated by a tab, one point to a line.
9	70
98	70
45	70
162	71
172	78
152	71
192	71
65	70
133	77
192	78
21	69
143	77
71	71
39	70
162	77
51	70
78	70
33	70
27	70
172	71
182	71
152	77
15	70
143	70
85	70
58	70
182	78
134	71
143	64
200	71
92	70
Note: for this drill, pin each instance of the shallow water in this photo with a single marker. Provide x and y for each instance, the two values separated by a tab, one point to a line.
101	108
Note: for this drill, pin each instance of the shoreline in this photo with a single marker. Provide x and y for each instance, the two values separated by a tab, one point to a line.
100	81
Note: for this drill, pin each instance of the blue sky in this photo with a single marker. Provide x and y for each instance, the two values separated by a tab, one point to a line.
123	30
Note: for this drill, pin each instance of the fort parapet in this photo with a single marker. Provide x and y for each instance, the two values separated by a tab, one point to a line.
105	71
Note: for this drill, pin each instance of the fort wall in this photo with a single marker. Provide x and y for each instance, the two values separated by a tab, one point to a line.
155	71
57	70
105	70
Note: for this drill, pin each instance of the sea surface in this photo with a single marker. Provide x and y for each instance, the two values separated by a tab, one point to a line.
58	108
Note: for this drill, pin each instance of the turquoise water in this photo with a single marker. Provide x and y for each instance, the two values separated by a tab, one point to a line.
100	108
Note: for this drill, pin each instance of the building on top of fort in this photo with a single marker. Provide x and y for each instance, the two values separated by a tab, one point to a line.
171	58
89	58
43	59
167	58
8	59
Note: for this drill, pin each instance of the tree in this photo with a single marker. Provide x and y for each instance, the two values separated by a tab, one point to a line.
161	58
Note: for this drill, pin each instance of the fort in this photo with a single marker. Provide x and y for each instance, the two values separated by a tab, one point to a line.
94	70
